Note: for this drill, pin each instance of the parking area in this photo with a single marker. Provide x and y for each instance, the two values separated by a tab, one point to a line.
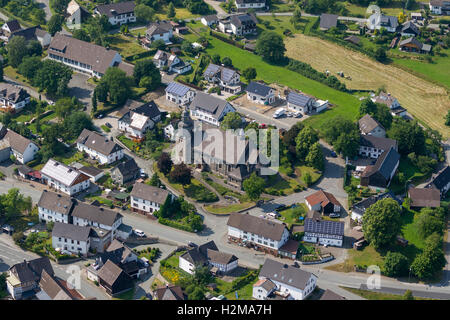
80	88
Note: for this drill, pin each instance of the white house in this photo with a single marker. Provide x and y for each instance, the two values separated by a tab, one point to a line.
209	20
440	7
288	282
73	238
169	132
76	15
93	173
377	21
324	232
23	149
267	235
300	102
441	181
146	199
33	33
260	93
373	147
171	61
227	79
138	118
161	30
179	93
368	126
13	98
8	28
209	109
391	102
63	178
98	147
117	13
242	5
54	207
239	25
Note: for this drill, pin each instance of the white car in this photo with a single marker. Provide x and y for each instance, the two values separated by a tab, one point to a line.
139	233
145	261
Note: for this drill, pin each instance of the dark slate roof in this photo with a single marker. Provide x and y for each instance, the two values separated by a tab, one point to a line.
260	226
225	74
299	99
362	206
218	257
12	93
52	288
177	89
324	227
211	17
119	8
387	162
410	26
71	231
55	202
208	103
412	40
328	21
425	197
13	25
127	167
169	293
150	193
159	28
148	109
243	20
330	295
199	255
285	274
117	252
110	272
96	214
376	142
442	178
90	171
31	33
97	142
389	20
31	270
258	88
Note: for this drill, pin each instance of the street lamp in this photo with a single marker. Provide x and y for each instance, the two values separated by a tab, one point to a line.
409	276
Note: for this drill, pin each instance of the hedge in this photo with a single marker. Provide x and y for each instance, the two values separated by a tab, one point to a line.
141	55
227	39
175	224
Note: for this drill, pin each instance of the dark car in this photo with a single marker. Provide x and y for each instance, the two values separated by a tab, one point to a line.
108	125
191	244
333	154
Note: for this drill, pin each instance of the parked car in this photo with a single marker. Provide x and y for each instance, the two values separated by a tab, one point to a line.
290	114
142	173
139	233
108	125
333	154
335	215
262	126
145	261
279	112
100	116
191	244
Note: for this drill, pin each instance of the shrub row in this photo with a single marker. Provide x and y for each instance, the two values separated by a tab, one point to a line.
175	224
226	39
141	55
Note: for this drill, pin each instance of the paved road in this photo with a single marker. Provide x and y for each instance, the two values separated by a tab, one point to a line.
304	14
30	90
44	4
216	6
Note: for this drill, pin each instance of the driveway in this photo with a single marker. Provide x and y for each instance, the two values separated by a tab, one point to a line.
44	4
216	6
80	88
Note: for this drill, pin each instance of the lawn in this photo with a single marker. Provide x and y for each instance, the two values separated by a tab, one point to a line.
281	185
126	46
180	13
12	73
128	295
371	295
244	293
173	260
227	209
410	172
394	9
291	216
366	257
72	156
280	23
196	190
302	170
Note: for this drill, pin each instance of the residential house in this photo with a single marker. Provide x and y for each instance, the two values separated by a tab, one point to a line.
179	93
146	199
33	33
373	147
331	295
227	79
263	289
300	102
265	235
292	283
117	13
139	118
169	132
54	207
125	171
172	62
371	127
328	21
82	56
9	28
26	172
53	288
244	5
380	175
23	278
113	279
424	197
92	172
441	181
358	209
63	178
13	98
73	238
323	201
210	20
413	45
99	147
416	16
378	20
209	109
391	102
169	293
324	232
23	149
207	254
441	7
409	29
76	15
260	93
239	25
161	30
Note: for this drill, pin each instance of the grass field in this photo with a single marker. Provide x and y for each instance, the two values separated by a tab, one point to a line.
413	92
370	295
227	209
126	46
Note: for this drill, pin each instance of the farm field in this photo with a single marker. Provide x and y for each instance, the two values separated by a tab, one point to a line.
413	92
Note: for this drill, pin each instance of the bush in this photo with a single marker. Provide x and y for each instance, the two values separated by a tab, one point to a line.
395	264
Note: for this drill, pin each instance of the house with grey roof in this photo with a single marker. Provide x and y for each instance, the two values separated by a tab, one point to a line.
244	5
99	147
441	181
8	28
209	20
138	117
92	172
378	20
73	238
371	127
146	199
76	15
53	288
292	283
328	21
160	30
239	24
441	7
13	98
117	13
169	292
358	209
331	295
381	173
227	79
300	102
260	93
179	93
391	102
126	171
324	232
23	149
373	147
170	62
424	197
54	207
209	109
413	45
33	33
113	279
409	29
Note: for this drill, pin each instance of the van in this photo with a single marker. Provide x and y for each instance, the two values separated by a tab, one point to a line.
279	112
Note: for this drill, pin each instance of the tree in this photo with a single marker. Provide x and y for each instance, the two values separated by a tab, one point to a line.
334	127
65	106
254	186
296	16
408	295
380	54
307	179
447	118
232	120
304	141
118	84
290	135
181	173
146	68
410	4
383	115
395	264
197	294
202	275
29	67
431	260
409	135
347	144
427	224
55	24
155	181
165	163
249	73
53	77
215	58
367	107
270	46
144	13
401	17
171	10
381	222
227	62
81	34
158	44
16	50
74	123
101	92
315	157
186	47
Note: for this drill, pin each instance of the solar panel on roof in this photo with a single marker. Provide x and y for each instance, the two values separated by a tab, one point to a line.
227	74
177	89
298	99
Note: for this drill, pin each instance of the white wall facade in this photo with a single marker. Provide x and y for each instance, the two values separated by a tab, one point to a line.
28	154
258	240
50	215
101	158
70	190
270	98
181	100
144	205
74	246
185	265
5	103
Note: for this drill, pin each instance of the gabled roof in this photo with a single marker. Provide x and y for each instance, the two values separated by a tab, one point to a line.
224	73
32	33
177	89
169	293
328	21
62	173
323	198
117	252
13	25
211	17
243	20
52	288
150	193
266	284
367	124
324	227
258	88
97	142
299	99
127	167
250	1
218	257
425	197
377	142
71	231
411	40
362	206
95	214
31	270
17	142
113	9
263	227
442	178
210	104
110	272
410	26
12	93
159	27
90	171
286	274
385	164
55	202
385	98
